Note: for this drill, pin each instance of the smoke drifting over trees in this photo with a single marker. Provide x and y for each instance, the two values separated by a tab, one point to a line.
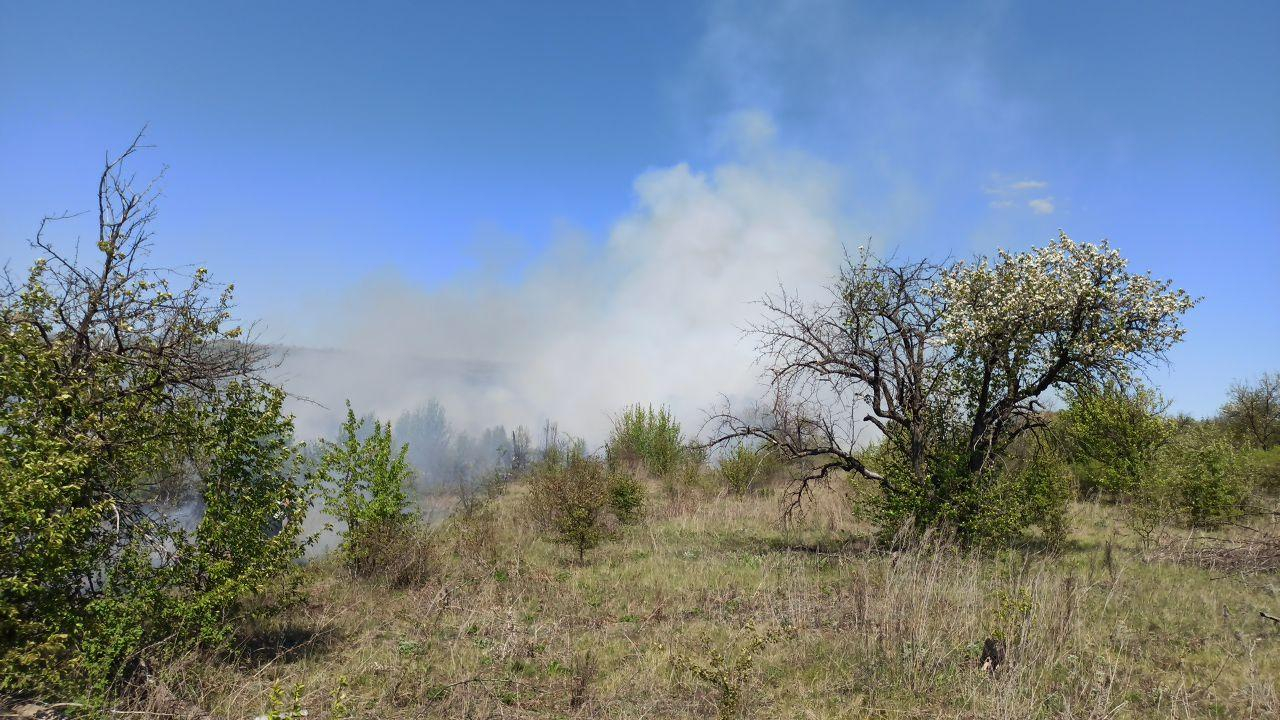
654	315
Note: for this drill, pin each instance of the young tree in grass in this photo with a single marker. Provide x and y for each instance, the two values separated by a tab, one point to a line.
366	484
948	363
572	499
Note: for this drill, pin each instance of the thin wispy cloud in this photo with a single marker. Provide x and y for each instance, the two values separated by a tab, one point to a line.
1041	206
1028	185
1006	195
1003	189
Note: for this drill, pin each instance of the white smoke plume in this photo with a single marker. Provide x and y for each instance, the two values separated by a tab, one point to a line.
653	313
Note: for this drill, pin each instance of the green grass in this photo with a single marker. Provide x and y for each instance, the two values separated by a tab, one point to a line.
506	625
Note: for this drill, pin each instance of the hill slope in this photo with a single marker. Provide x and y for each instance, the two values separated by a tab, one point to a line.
712	608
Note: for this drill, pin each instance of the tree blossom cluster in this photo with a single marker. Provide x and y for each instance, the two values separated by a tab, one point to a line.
1061	310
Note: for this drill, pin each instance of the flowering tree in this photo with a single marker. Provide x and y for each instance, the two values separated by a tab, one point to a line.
1065	315
942	367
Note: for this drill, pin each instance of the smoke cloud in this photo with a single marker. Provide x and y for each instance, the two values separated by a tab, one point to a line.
652	313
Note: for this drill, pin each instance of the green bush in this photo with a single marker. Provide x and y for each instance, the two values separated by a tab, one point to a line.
1201	482
1113	435
1263	469
365	487
250	535
125	398
572	499
1030	488
238	562
744	467
645	438
626	498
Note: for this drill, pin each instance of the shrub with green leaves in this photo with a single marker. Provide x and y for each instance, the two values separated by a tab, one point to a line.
126	396
626	497
1029	488
643	437
1201	481
745	466
1263	467
1032	489
1114	436
365	483
250	535
573	500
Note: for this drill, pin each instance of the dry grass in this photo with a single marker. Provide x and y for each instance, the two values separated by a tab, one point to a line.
508	627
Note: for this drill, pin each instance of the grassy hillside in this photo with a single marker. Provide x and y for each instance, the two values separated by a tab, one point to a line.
711	607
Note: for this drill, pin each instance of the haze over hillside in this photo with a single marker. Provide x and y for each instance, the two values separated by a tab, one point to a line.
320	380
655	314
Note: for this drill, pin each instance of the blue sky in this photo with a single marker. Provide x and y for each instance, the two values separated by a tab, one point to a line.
313	146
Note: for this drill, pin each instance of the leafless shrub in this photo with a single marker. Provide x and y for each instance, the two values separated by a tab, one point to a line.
1255	552
402	556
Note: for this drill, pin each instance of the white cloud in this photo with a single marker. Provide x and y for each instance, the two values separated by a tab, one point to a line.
1004	189
1041	206
1028	185
1010	194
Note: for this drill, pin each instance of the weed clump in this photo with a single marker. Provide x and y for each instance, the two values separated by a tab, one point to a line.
729	675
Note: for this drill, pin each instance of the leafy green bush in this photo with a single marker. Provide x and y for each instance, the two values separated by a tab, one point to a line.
126	400
1031	488
626	498
1263	468
365	486
1201	481
645	438
745	466
1114	435
250	535
572	499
